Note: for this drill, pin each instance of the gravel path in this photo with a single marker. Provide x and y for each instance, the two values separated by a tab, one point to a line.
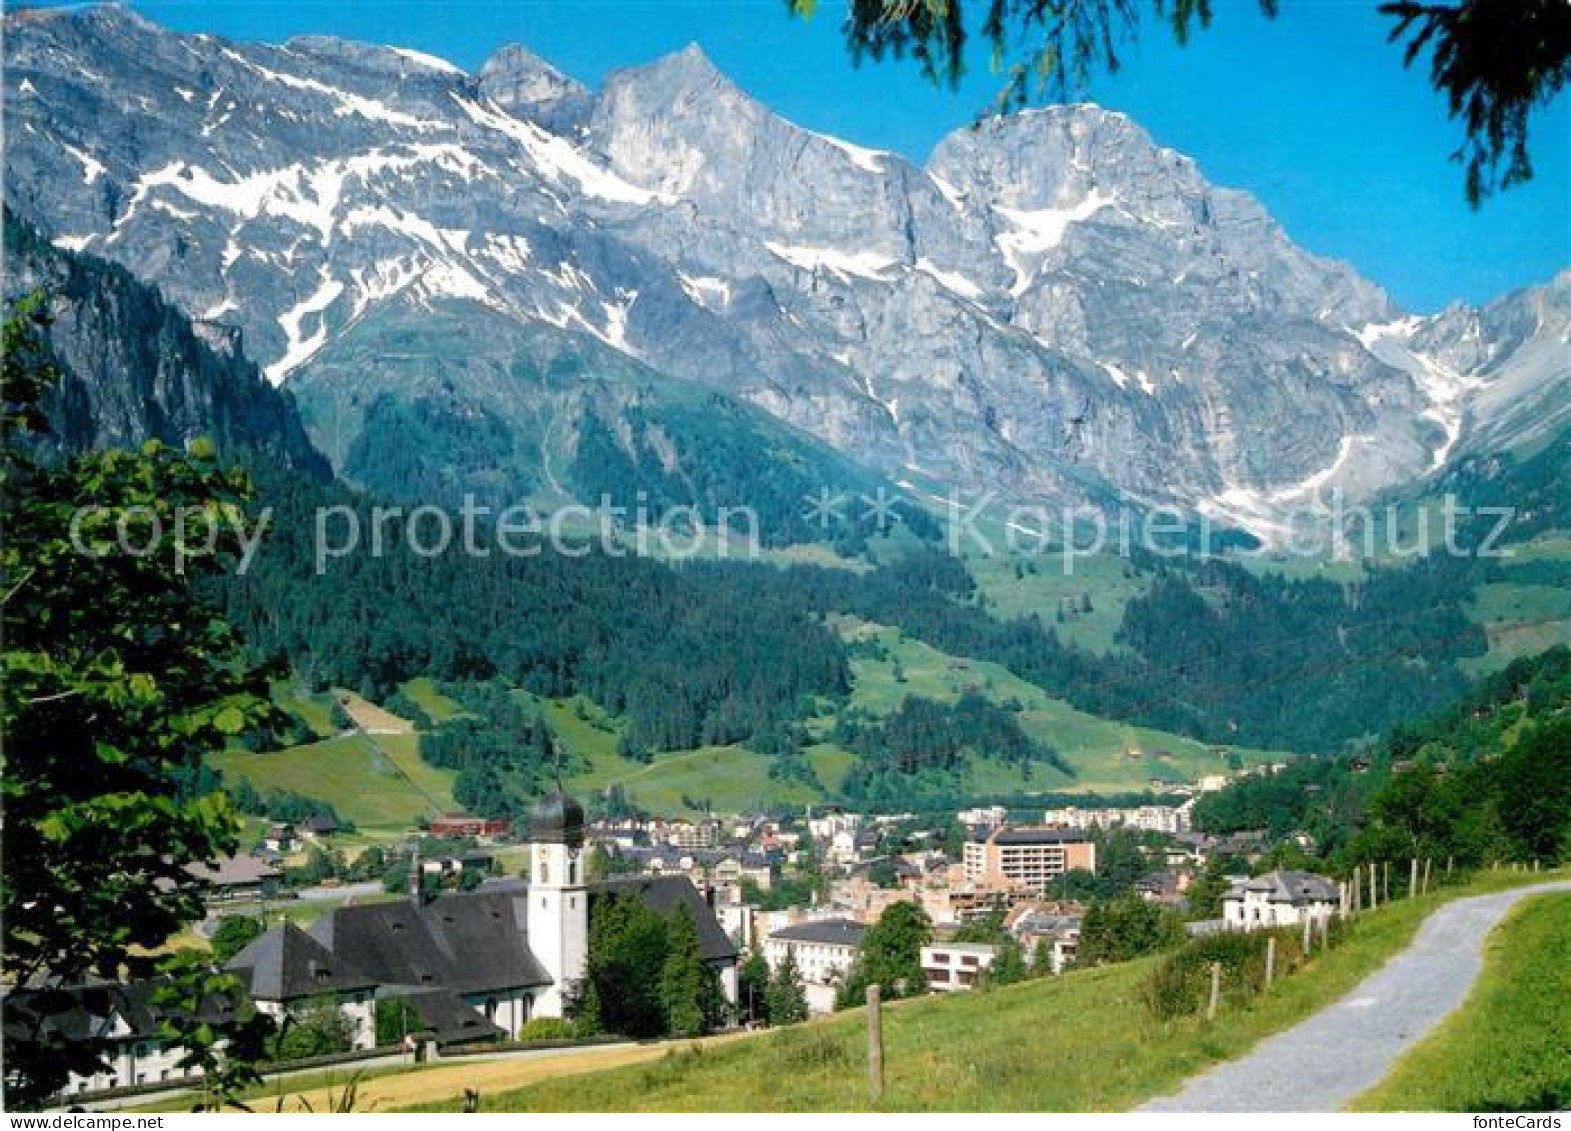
1322	1063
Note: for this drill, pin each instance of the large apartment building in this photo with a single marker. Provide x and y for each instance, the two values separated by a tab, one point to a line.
1023	857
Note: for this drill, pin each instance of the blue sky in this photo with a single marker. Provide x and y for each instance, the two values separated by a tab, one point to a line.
1312	112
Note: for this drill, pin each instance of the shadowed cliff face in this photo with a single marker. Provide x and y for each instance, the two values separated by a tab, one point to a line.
1054	308
134	368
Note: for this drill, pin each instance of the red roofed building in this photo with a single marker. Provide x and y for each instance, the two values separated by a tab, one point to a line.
461	824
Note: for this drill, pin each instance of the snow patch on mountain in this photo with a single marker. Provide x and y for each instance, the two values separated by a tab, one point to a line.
555	156
430	62
849	264
706	290
1036	231
345	102
301	345
952	280
92	168
868	160
1445	388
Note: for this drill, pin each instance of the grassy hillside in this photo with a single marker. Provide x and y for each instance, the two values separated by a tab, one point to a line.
1527	607
1509	1047
438	707
1109	756
722	777
376	781
1015	587
1082	1042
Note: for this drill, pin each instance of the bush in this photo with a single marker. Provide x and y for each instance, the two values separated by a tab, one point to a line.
547	1029
1182	983
320	1028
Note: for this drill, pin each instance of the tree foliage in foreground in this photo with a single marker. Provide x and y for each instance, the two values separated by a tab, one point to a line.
115	682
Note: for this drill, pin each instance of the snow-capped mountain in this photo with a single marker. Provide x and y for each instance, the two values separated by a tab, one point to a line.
1053	308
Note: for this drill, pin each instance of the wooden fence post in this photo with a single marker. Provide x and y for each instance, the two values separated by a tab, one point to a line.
1450	861
1358	890
1270	960
875	1043
1412	880
1216	991
1308	939
1343	902
1427	862
1385	883
1325	931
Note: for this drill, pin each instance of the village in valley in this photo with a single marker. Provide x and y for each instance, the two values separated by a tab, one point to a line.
470	933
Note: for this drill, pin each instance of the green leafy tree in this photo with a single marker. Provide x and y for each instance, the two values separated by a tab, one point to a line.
786	999
627	955
1042	958
752	988
682	977
116	680
1206	892
1493	60
234	934
319	1028
890	956
1125	928
1009	964
222	1035
1535	791
395	1020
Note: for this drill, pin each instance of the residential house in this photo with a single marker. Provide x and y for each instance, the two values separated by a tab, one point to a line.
236	878
1278	899
319	827
956	966
823	950
125	1016
281	838
1058	924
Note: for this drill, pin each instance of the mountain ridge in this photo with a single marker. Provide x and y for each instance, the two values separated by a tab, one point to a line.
1053	308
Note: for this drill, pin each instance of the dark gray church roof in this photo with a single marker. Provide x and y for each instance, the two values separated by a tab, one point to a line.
286	964
444	1017
472	942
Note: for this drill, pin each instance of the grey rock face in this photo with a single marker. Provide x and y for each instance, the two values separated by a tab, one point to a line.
133	368
1055	308
529	87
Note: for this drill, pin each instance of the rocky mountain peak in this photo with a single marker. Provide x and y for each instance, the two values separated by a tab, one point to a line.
526	85
1056	307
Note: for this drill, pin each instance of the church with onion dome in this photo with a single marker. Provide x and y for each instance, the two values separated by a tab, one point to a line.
478	965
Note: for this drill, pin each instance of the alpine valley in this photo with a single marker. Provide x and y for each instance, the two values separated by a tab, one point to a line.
376	276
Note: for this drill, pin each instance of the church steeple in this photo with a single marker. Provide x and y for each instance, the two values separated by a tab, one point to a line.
558	896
